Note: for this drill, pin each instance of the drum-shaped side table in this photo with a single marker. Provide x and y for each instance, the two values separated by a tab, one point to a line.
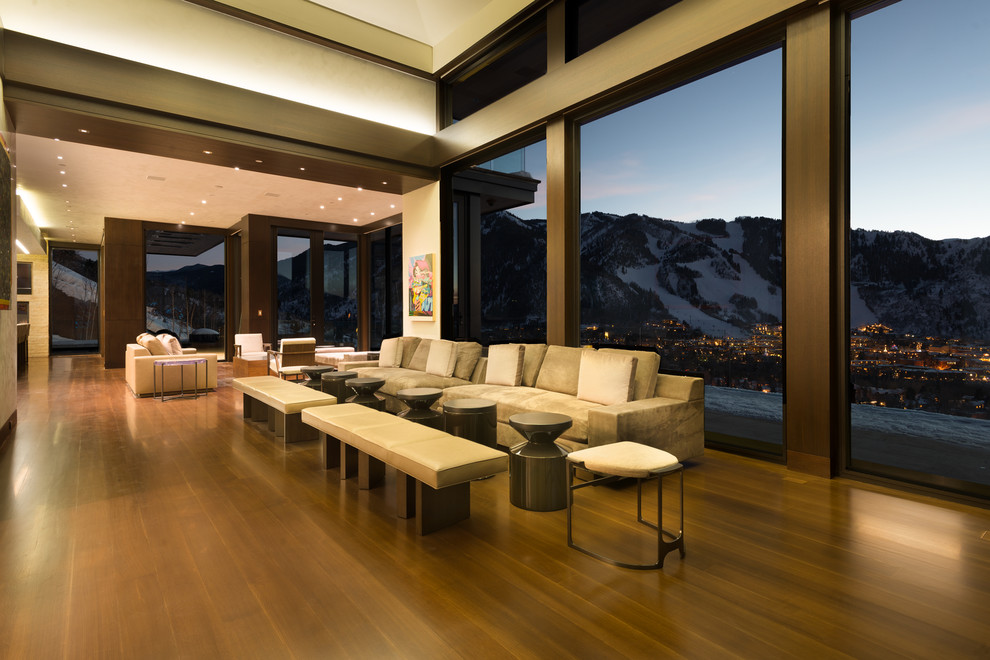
364	392
419	400
335	383
474	419
314	375
538	468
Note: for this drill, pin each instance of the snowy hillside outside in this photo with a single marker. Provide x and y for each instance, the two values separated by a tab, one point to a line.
73	284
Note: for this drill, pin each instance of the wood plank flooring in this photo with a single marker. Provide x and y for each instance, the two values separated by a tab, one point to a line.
131	528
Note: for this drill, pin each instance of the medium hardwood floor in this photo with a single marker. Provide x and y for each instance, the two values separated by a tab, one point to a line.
132	528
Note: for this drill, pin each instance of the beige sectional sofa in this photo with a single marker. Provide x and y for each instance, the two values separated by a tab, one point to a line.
610	394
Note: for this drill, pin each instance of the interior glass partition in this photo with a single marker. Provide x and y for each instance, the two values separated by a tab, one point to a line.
499	234
293	284
74	300
919	255
340	292
681	241
185	287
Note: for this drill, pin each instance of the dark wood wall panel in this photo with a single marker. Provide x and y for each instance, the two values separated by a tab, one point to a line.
123	300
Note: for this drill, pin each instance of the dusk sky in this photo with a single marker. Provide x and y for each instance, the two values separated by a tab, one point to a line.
920	133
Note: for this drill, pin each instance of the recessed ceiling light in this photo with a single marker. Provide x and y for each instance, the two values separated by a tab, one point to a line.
322	207
192	213
355	219
384	183
61	171
257	160
83	130
65	185
237	169
204	201
360	189
391	206
302	169
372	213
57	140
340	199
59	157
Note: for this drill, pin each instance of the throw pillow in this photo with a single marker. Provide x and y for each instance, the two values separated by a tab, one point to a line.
468	354
646	371
152	343
170	343
390	354
560	369
409	346
505	365
532	363
422	354
443	355
606	378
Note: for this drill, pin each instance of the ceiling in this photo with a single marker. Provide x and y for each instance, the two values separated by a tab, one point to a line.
72	186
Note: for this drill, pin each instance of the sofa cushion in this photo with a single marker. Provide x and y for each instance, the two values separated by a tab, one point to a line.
390	354
560	369
468	354
443	356
505	365
421	356
532	362
647	367
397	379
152	343
606	378
409	346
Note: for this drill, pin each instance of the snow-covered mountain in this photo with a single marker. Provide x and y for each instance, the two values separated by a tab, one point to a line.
722	277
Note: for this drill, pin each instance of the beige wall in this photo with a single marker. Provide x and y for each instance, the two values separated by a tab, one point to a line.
421	235
38	308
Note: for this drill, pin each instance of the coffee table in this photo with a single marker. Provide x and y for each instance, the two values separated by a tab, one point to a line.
538	467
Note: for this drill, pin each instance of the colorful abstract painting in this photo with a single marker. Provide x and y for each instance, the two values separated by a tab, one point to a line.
421	286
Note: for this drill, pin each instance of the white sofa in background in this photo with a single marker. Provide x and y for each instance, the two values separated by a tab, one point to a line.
138	363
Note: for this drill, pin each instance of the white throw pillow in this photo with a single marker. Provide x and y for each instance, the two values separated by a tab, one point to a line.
390	354
606	378
505	365
443	356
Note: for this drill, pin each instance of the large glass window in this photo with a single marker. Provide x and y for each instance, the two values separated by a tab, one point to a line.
292	284
919	268
74	300
184	287
340	292
681	241
591	23
500	248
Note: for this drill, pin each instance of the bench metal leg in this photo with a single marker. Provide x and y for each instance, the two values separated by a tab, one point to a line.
331	450
439	508
371	471
348	461
405	495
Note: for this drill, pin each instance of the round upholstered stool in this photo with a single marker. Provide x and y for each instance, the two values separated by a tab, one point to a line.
638	461
420	400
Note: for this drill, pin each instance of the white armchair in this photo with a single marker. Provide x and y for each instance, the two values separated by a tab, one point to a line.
250	346
140	377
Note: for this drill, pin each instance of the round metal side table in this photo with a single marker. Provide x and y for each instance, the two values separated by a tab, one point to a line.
538	468
420	400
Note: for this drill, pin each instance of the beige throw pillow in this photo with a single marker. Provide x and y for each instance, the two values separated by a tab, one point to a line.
468	354
532	363
409	346
152	343
390	354
647	367
606	378
505	365
560	369
443	356
170	343
422	354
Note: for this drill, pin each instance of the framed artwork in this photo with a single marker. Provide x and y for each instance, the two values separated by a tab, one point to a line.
421	287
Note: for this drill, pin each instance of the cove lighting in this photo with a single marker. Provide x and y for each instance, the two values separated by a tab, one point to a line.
21	246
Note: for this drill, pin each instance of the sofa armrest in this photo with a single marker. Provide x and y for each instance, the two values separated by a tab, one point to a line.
188	351
682	388
675	426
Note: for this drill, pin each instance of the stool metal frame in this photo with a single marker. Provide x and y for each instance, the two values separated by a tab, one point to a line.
676	540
